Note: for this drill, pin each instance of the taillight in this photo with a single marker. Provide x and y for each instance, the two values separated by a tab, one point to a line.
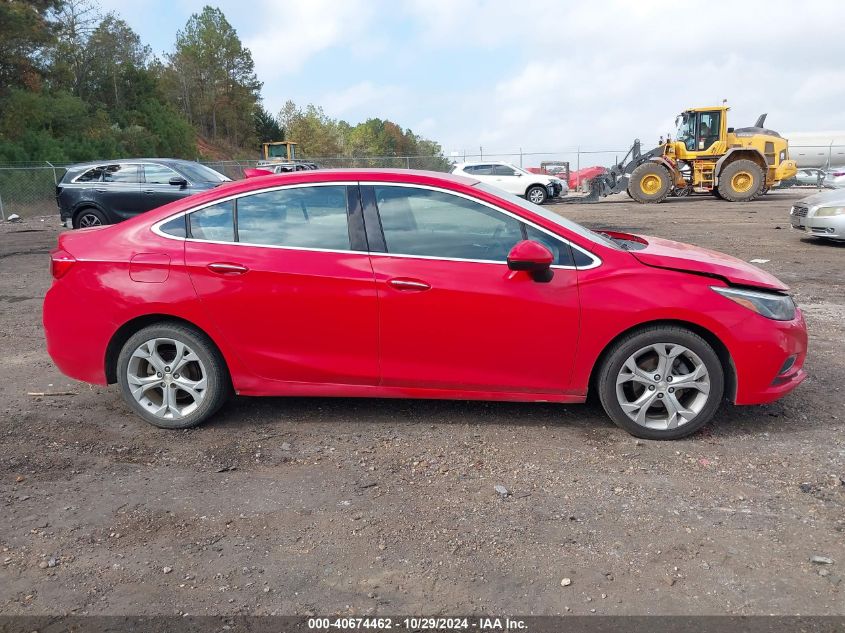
60	262
837	174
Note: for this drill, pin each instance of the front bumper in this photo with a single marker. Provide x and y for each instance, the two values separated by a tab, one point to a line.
832	227
761	348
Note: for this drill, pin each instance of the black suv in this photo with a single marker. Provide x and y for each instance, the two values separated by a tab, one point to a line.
107	192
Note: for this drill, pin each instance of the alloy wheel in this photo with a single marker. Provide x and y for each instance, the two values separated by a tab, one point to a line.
663	386
536	196
167	378
88	220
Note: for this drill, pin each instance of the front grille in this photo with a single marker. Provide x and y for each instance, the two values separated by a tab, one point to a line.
800	211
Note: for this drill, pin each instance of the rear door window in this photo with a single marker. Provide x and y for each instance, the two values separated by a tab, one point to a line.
299	217
121	173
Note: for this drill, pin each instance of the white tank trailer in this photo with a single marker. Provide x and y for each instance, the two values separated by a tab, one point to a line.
817	149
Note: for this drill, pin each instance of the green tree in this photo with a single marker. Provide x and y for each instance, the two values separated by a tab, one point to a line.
211	78
267	128
26	28
70	57
116	58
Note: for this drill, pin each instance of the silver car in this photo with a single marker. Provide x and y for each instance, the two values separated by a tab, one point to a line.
820	215
834	178
810	176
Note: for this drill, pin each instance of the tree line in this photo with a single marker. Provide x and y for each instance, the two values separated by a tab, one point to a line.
77	84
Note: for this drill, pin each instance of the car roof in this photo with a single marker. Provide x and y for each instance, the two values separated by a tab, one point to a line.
832	196
485	162
131	161
415	176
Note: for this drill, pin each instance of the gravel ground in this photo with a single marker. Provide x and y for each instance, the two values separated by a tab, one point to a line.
303	506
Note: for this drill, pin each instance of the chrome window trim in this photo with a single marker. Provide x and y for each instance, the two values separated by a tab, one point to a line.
596	261
156	228
117	162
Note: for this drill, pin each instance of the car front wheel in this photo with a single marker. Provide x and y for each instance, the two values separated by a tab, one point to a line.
172	376
661	383
536	194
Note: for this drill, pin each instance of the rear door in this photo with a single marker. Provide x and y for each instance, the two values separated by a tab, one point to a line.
119	190
289	283
453	316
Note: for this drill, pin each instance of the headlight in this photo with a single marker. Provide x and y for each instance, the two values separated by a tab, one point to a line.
768	304
826	212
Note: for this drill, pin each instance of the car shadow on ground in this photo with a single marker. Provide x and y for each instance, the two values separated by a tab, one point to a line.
588	418
820	241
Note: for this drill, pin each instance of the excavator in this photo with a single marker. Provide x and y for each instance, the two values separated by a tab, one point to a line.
706	156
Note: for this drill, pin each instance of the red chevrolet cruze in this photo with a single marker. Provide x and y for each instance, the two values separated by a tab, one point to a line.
383	283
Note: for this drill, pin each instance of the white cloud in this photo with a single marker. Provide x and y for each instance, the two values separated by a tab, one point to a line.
291	33
364	99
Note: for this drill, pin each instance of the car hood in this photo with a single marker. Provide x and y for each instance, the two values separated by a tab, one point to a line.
834	196
661	253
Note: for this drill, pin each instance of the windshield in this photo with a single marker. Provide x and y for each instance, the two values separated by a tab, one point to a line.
685	124
576	228
200	173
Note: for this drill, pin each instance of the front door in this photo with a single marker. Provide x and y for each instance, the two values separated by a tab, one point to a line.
156	190
286	285
509	179
452	315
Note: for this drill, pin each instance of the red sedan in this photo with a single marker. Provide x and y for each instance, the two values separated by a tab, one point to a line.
383	283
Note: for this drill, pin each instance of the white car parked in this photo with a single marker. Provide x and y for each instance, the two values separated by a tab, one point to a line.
536	188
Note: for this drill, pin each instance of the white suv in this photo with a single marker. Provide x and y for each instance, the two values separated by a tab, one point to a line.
537	188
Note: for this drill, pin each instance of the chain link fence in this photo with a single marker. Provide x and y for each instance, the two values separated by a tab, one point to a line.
29	189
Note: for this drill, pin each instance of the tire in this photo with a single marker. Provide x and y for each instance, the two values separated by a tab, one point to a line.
536	194
146	358
89	217
715	192
741	181
693	357
650	183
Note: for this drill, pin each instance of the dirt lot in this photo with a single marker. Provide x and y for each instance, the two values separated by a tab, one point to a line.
367	506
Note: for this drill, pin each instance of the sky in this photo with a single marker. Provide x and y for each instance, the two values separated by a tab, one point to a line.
535	75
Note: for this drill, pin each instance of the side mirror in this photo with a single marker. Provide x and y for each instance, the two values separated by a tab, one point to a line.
178	181
532	257
517	173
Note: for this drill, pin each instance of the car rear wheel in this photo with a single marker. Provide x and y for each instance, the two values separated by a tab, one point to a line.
661	383
536	194
88	218
172	376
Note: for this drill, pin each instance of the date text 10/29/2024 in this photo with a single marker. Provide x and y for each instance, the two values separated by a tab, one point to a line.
417	624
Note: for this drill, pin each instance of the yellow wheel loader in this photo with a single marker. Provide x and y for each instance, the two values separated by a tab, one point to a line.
706	156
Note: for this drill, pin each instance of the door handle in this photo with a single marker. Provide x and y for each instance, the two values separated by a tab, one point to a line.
149	191
100	189
409	284
227	268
